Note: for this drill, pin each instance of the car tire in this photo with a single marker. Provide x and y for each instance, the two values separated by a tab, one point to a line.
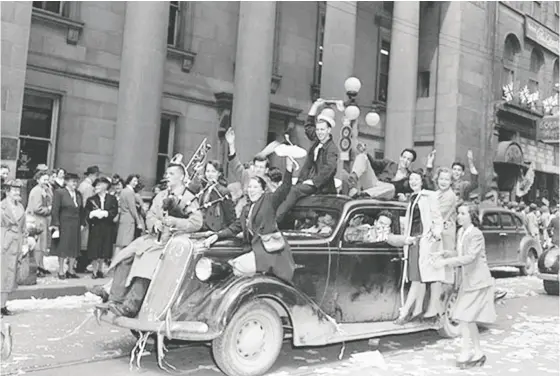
448	327
530	266
551	287
251	341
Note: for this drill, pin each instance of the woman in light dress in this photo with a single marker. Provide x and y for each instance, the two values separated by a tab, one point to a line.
475	300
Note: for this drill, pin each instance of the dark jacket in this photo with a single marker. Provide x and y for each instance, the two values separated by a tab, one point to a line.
217	215
101	230
68	218
263	220
323	170
385	170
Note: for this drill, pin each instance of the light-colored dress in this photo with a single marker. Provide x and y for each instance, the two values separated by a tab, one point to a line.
39	206
13	235
475	301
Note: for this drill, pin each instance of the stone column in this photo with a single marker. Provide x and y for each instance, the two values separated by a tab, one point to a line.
403	74
16	26
338	56
253	74
140	89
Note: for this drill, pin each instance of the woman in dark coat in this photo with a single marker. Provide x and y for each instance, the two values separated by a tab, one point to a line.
214	198
100	211
68	221
258	219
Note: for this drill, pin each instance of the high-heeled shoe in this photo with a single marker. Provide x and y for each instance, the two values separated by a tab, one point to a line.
477	362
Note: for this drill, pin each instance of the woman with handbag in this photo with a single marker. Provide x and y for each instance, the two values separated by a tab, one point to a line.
422	236
267	250
39	206
475	301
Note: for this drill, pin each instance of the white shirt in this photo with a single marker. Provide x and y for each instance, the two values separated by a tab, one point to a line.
102	200
73	195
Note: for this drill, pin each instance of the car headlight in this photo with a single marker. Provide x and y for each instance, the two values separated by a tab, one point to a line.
207	269
550	258
203	269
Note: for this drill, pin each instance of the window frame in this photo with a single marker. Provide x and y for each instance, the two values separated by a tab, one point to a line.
64	10
360	210
319	42
383	39
178	24
513	225
486	227
173	119
55	115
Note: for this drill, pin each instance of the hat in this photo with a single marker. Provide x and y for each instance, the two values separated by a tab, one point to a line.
71	176
324	117
102	179
15	183
533	206
92	170
42	167
473	196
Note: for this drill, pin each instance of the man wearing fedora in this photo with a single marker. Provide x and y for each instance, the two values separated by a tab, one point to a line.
318	172
87	190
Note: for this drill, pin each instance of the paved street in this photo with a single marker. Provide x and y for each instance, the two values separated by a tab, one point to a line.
524	341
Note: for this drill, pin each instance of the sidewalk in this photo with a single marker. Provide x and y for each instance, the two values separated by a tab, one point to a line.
51	287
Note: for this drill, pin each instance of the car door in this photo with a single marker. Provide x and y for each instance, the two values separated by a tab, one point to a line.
511	237
493	234
370	273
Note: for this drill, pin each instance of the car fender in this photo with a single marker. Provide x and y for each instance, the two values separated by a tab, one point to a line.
527	243
311	325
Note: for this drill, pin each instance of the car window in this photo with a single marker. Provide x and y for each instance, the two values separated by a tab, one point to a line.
490	220
507	220
518	222
312	221
371	226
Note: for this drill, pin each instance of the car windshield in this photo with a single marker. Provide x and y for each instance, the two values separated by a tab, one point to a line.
310	222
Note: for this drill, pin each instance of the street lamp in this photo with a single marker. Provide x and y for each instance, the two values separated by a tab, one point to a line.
351	111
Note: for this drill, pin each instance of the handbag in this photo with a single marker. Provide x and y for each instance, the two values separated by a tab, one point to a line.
273	242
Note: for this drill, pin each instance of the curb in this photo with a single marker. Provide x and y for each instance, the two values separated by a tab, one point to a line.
46	292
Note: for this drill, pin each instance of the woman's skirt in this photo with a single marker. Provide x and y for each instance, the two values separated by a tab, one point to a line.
413	269
475	306
125	234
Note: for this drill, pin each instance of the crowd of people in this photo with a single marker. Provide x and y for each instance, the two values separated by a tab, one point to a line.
108	218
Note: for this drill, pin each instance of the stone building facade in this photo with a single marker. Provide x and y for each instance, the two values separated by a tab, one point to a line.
125	85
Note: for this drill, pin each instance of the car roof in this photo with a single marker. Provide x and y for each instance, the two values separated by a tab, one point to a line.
342	202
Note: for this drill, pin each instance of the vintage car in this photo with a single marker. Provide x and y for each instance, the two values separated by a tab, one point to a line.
549	270
508	242
343	289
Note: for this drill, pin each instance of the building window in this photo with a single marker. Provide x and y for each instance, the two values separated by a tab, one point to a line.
512	48
555	79
423	88
379	154
173	27
37	134
383	74
61	8
165	145
537	61
318	68
388	6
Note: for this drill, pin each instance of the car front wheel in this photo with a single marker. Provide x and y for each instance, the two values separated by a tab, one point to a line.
449	328
251	342
551	287
530	266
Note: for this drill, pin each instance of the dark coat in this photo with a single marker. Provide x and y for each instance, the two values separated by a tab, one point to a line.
68	218
323	170
386	169
101	230
219	215
263	220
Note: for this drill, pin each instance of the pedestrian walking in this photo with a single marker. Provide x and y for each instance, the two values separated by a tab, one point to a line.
13	229
68	222
475	300
100	211
39	206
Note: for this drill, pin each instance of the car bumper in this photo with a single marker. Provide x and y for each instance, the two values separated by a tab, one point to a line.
548	276
183	330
